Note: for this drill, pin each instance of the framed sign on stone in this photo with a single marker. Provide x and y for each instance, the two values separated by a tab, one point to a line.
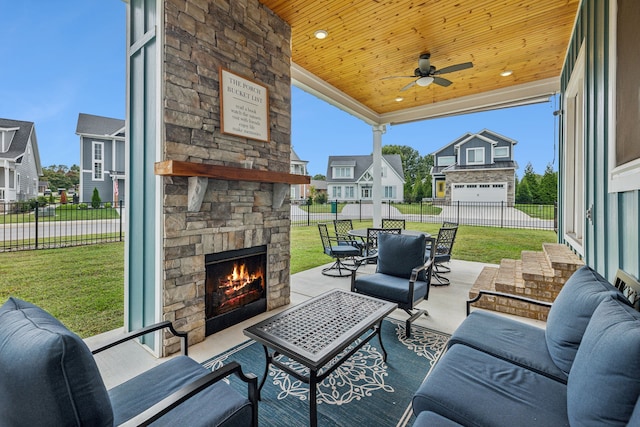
244	107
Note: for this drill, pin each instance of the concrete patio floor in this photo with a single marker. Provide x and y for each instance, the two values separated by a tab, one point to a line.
446	307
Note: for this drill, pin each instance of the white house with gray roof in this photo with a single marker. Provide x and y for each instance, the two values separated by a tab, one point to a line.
20	166
350	178
475	167
102	151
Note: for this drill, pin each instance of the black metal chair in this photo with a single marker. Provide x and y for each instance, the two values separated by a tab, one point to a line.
371	244
402	275
342	228
334	249
442	253
393	223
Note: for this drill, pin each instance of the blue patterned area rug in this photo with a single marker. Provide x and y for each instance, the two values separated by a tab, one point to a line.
363	391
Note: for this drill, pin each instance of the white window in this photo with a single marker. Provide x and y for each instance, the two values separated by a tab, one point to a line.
98	161
342	172
446	160
389	192
383	171
366	192
349	192
574	156
336	192
475	156
501	152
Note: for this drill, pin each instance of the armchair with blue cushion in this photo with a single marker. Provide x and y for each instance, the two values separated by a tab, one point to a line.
402	275
48	376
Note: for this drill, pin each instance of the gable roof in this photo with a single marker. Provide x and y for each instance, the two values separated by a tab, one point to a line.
89	124
484	134
20	138
360	165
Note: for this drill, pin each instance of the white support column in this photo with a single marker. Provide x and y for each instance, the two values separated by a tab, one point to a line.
378	130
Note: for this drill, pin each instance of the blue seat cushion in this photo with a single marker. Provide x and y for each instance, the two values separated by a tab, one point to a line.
571	312
48	376
399	254
508	339
604	383
390	288
431	419
474	388
342	251
217	405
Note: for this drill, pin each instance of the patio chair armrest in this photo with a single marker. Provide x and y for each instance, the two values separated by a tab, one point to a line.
506	295
417	270
144	331
168	403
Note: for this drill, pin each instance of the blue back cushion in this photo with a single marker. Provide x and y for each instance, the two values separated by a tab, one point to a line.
604	383
47	374
398	254
571	312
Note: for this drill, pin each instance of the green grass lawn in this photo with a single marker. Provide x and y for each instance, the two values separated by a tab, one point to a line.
84	286
63	213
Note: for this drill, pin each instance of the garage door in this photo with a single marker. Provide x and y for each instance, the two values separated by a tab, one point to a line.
483	192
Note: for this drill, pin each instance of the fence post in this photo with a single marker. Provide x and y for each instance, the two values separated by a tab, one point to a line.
37	216
120	207
458	212
502	214
308	214
360	209
420	211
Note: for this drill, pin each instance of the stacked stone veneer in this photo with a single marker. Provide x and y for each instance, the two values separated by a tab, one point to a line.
484	175
537	275
248	39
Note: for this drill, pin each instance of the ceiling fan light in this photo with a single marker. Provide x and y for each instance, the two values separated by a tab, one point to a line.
506	73
424	81
399	99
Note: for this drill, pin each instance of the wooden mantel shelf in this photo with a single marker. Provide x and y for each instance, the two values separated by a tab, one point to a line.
179	168
199	173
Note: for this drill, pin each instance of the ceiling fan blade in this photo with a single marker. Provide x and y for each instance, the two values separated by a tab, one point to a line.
410	85
442	82
398	77
424	64
453	68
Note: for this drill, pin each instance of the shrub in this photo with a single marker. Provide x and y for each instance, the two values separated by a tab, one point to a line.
321	198
83	206
63	198
107	205
42	201
95	199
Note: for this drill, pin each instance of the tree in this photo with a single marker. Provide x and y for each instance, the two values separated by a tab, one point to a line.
319	177
95	199
414	166
60	176
531	181
548	189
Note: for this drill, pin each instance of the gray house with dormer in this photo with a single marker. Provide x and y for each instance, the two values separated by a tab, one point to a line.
102	157
476	167
350	178
20	167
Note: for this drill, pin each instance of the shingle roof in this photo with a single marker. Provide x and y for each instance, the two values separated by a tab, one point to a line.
20	138
361	164
89	124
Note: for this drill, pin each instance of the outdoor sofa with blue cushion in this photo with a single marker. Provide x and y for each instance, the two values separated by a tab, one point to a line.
584	369
48	377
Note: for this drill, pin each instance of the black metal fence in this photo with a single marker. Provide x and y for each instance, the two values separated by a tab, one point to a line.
491	214
32	225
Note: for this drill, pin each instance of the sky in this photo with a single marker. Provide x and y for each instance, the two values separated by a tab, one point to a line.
58	62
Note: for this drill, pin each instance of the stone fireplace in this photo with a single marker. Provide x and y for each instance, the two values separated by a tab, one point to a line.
222	193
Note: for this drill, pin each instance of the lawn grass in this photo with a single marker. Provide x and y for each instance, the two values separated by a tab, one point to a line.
84	286
537	211
63	213
81	286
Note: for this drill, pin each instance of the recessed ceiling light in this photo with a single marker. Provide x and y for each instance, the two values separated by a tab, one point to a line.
321	34
506	73
399	99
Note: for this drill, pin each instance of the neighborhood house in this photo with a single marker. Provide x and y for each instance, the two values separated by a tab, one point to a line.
350	178
476	167
20	166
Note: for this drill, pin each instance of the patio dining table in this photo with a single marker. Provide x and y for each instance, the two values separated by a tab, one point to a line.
362	233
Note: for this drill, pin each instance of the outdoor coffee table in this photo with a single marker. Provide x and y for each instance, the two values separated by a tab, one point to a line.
316	332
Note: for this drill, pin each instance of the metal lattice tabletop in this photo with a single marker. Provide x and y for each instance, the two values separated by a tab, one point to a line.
316	328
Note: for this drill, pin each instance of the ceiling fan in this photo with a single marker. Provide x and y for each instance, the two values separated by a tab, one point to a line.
427	73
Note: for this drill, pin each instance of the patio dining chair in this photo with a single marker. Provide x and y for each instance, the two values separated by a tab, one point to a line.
402	274
371	245
393	223
442	254
334	249
342	228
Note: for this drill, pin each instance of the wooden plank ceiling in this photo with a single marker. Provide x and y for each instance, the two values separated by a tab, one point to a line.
369	40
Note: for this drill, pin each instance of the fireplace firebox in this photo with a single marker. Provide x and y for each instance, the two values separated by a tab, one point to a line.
235	287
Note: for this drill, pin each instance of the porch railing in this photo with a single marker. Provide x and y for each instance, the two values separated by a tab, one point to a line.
490	214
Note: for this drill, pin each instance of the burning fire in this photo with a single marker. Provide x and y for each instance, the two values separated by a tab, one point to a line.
241	276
